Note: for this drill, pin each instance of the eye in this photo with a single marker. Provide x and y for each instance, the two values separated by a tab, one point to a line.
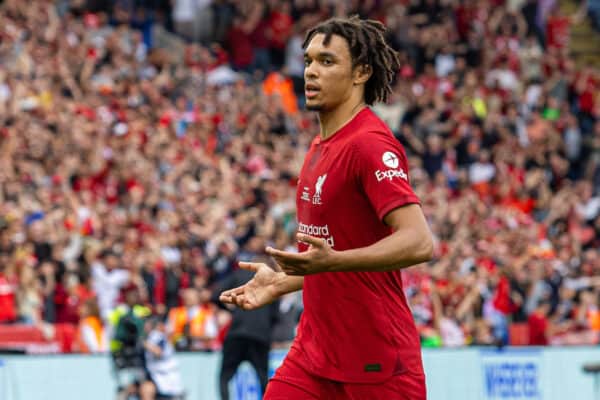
306	62
327	61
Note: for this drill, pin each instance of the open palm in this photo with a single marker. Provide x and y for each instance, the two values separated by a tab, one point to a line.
257	292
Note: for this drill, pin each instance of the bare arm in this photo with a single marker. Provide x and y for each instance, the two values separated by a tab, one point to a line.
287	284
154	349
410	244
580	14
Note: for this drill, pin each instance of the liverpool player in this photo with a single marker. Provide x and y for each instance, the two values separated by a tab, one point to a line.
359	224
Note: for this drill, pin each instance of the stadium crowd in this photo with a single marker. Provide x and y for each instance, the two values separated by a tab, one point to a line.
135	162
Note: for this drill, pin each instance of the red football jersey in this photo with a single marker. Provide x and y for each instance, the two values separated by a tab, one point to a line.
356	326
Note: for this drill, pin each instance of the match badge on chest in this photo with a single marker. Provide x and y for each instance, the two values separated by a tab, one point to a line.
319	189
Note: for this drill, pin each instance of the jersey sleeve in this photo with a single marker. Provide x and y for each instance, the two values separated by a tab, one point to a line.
382	170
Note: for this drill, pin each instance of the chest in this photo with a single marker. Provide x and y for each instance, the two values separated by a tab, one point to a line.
326	181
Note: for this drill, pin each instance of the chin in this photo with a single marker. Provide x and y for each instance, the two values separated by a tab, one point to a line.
314	107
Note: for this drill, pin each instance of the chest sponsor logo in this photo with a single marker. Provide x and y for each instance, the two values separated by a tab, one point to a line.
319	189
320	231
391	161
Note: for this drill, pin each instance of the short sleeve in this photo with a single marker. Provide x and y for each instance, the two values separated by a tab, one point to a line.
157	339
382	170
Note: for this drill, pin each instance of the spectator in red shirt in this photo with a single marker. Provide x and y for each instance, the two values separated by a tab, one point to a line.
539	325
558	27
8	286
68	299
240	46
280	25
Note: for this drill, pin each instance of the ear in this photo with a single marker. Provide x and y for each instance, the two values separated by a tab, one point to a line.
362	73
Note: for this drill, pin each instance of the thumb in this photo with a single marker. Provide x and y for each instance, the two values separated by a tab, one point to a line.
311	240
249	266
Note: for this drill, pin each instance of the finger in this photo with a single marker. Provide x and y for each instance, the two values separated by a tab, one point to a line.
243	303
237	290
224	298
284	262
293	270
247	306
311	240
239	300
249	266
278	267
284	256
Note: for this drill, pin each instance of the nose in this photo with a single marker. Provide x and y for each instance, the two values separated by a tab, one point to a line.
310	71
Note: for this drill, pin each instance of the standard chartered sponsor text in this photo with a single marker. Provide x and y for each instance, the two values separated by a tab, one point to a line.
321	231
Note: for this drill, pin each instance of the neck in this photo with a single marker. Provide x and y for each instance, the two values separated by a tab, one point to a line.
332	121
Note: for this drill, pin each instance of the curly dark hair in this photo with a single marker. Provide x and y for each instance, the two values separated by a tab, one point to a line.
368	46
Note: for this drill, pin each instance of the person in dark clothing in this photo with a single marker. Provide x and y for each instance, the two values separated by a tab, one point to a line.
249	336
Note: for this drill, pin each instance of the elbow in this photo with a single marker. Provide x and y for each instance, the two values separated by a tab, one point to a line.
425	248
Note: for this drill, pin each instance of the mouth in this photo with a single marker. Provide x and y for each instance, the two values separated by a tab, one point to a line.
311	90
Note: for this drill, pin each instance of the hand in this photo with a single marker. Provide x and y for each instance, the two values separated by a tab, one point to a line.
257	292
318	258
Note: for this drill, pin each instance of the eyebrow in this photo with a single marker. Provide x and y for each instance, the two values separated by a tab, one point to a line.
321	54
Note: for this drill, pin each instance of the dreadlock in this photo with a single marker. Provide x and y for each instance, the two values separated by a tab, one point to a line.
367	48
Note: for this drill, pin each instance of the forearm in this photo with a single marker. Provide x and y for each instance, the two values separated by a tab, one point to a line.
155	350
287	284
400	250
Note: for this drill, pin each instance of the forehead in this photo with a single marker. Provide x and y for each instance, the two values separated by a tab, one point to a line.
337	45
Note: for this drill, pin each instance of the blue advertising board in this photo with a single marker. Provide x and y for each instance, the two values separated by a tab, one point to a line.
511	375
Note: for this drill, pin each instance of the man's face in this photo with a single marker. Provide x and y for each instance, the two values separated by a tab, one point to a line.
111	262
132	297
327	73
190	298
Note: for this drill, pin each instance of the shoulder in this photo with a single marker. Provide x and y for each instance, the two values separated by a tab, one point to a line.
368	143
375	146
372	131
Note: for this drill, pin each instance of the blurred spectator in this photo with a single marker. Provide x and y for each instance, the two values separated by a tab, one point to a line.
163	371
127	321
108	280
284	330
68	297
91	334
8	288
539	324
594	13
194	326
29	298
126	345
